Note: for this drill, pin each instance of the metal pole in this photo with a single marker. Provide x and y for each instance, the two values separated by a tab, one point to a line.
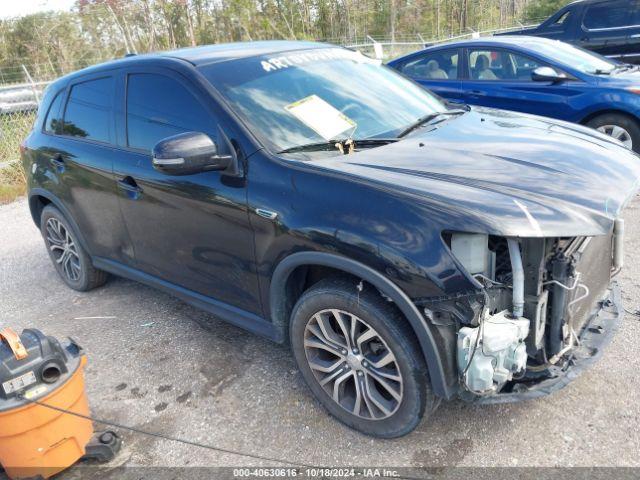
33	85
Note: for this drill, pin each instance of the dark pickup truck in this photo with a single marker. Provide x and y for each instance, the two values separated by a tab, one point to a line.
607	27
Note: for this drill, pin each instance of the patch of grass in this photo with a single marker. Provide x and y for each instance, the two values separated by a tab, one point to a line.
12	182
8	193
14	127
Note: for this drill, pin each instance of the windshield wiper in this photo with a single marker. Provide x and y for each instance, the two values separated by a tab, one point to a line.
330	145
428	119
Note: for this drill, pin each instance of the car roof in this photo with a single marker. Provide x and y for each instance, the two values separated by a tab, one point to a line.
504	40
526	42
229	51
576	2
206	54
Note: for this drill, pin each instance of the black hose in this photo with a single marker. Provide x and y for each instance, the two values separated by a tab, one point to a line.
559	272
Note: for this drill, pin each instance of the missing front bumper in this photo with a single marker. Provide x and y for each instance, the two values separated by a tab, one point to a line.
596	335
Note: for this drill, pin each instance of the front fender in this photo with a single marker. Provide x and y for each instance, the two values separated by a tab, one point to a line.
612	101
422	329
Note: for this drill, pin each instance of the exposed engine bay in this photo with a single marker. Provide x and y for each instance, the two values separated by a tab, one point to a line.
537	297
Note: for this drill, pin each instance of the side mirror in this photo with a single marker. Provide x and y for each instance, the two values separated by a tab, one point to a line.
188	153
547	74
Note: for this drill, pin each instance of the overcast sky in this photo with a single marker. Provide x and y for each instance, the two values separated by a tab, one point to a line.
17	8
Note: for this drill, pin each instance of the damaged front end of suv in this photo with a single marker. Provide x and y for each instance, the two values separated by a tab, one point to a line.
512	247
544	309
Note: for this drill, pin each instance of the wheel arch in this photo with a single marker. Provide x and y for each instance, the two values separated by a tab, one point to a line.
608	111
39	199
281	304
37	203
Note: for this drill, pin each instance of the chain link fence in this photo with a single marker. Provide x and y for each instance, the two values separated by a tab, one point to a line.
18	108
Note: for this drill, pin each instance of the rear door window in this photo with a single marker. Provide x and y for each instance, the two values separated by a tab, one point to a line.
158	107
88	113
438	65
617	14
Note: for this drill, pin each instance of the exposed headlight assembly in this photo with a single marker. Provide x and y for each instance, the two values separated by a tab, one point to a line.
491	353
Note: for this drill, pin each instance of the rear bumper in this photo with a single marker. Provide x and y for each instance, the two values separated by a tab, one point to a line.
596	335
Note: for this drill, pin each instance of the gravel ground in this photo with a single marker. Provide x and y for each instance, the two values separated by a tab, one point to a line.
158	364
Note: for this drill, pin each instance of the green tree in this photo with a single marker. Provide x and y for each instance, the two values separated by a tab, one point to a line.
542	9
52	43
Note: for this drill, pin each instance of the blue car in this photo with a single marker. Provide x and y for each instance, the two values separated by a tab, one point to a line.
534	75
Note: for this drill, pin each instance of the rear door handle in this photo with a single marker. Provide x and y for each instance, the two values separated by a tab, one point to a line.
477	93
129	185
57	161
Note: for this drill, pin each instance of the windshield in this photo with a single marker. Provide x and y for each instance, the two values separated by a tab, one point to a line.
582	60
310	96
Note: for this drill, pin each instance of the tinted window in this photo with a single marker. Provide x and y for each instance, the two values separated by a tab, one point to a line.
159	107
496	65
440	65
52	122
622	13
88	112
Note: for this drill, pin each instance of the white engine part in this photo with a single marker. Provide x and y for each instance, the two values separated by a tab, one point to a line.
472	251
500	352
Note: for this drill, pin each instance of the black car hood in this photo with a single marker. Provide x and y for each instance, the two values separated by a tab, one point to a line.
505	173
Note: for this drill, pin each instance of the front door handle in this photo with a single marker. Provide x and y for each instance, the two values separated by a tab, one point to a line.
129	185
268	214
477	93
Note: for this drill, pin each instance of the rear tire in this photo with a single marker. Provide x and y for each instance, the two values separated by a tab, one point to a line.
619	126
326	356
70	260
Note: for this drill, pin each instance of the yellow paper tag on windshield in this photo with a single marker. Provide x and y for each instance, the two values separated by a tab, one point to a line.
320	116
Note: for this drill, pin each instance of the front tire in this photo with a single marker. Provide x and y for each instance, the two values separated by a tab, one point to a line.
621	127
70	260
360	358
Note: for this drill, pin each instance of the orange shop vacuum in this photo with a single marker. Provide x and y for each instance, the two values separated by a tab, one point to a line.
42	405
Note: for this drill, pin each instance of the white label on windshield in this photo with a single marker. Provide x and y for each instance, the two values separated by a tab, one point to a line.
321	117
273	64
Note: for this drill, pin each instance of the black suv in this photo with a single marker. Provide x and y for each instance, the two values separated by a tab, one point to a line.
607	27
408	251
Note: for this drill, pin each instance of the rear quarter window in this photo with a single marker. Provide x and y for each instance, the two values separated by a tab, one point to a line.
52	122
